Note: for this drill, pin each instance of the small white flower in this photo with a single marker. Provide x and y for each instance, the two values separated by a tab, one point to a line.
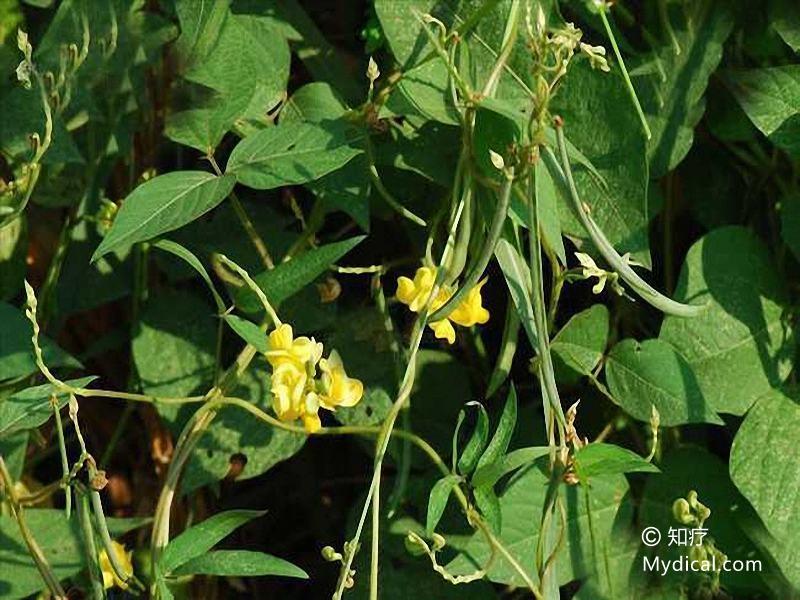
372	71
596	56
590	269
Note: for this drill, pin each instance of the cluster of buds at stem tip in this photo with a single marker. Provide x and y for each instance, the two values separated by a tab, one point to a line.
331	555
25	68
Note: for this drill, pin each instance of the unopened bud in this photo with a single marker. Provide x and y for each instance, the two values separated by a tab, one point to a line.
497	160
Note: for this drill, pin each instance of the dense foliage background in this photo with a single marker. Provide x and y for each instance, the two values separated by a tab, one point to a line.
153	153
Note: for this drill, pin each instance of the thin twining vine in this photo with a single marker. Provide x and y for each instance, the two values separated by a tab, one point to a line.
89	499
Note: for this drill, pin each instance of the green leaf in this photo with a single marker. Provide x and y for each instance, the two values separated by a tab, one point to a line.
248	331
489	506
763	465
437	501
204	128
315	102
59	539
235	439
174	347
578	346
596	460
293	153
202	22
199	539
673	95
784	18
239	563
615	145
516	459
31	407
741	345
771	98
477	442
162	204
16	349
520	506
13	252
690	468
502	435
288	278
652	373
518	280
250	62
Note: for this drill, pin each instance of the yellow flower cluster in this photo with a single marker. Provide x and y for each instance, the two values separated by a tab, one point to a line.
415	293
123	557
298	392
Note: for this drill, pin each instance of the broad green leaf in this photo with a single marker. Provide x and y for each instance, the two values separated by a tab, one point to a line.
498	445
240	563
476	444
690	468
237	445
785	19
174	347
313	103
31	407
346	189
437	501
59	540
324	61
248	331
596	460
293	153
578	346
673	95
520	506
408	147
489	506
201	22
16	348
162	204
615	145
741	345
641	375
203	128
14	449
771	98
199	539
516	459
189	258
518	280
250	62
288	278
763	465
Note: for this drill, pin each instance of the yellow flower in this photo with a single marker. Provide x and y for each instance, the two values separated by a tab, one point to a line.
471	311
284	347
288	390
110	578
338	388
415	293
296	393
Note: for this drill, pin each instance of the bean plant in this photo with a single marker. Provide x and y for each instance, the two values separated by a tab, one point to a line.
399	299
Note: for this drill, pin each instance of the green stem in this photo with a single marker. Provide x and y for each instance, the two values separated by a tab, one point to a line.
628	83
62	448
